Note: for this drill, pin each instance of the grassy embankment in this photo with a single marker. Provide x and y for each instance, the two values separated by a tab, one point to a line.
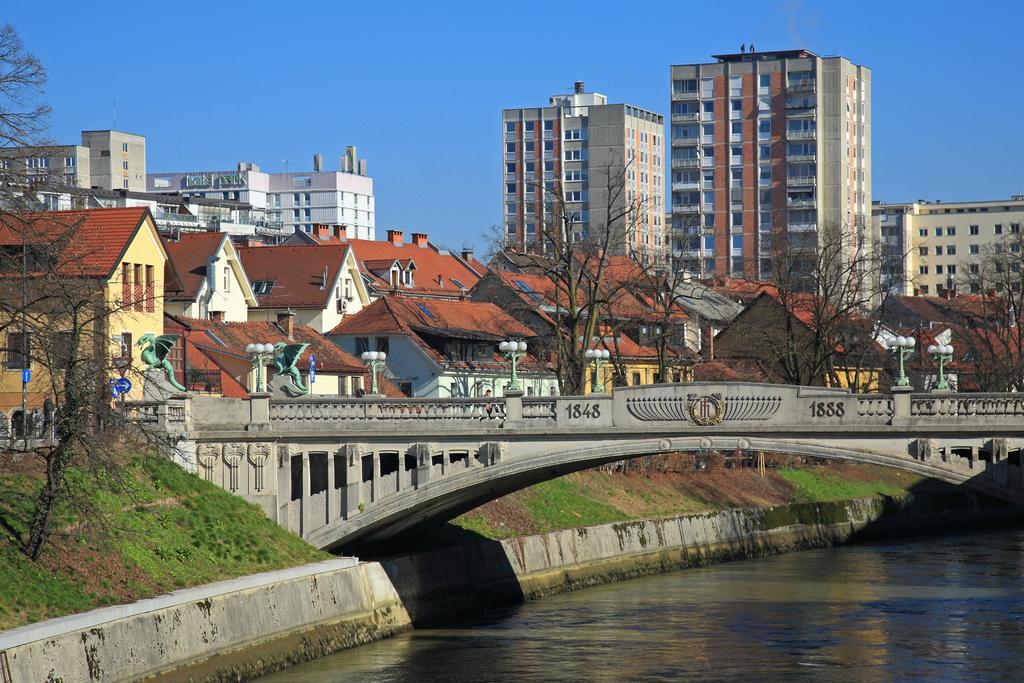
673	488
167	530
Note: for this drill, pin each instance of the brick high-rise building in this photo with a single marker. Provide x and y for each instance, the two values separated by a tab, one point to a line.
601	158
767	148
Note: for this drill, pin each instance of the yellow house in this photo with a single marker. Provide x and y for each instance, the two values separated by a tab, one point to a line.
639	362
112	257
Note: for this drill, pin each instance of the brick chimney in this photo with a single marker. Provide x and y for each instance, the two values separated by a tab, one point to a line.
286	321
396	237
467	254
341	232
419	239
322	231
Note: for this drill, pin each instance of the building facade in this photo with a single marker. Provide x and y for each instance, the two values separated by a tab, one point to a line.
297	201
601	162
106	160
766	150
927	246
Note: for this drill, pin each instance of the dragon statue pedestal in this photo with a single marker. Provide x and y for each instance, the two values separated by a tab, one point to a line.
280	388
157	387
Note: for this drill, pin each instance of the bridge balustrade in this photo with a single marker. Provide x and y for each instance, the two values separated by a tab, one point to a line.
968	405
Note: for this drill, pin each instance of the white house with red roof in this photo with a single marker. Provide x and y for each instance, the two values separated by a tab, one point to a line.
213	282
439	348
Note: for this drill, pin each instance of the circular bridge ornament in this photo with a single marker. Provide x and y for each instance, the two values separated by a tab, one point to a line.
706	410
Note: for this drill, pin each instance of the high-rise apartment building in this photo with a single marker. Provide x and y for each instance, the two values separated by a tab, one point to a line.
604	161
767	149
931	247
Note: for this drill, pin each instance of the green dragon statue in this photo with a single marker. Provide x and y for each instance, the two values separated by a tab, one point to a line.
285	358
154	354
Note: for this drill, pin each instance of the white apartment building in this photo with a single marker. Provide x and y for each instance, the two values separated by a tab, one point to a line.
296	200
928	246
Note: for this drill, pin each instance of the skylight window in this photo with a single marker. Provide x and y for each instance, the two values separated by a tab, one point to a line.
426	311
526	289
262	287
457	283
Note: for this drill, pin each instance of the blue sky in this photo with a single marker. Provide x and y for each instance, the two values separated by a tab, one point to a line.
418	87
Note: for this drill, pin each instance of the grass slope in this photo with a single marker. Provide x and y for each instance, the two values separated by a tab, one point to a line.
598	497
168	530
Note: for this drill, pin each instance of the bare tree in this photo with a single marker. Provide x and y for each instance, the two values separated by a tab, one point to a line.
574	255
986	326
825	286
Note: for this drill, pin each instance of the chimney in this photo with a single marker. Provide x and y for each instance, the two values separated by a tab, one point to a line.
709	342
396	237
318	162
286	321
350	159
467	254
362	167
579	88
341	232
322	231
419	239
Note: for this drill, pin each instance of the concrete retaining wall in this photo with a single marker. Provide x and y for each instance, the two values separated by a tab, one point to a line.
438	584
230	630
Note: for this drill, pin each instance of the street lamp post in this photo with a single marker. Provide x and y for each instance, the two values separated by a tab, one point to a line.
903	347
943	353
375	361
259	355
513	350
598	357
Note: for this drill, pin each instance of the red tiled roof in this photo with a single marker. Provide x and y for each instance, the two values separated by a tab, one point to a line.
95	239
733	370
418	318
234	336
297	273
188	256
433	274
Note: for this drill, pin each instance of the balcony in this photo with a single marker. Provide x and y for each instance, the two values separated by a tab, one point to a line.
679	95
801	134
803	86
684	117
685	142
802	203
801	112
802	227
802	180
801	157
686	163
691	185
685	208
708	162
510	137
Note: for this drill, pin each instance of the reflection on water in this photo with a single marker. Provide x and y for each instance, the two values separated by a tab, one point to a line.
936	609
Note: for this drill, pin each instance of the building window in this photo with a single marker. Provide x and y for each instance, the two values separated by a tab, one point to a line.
923	232
974	230
1015	228
737	219
950	250
510	126
999	229
362	345
549	125
765	80
922	251
923	270
951	231
124	147
938	269
973	248
938	251
510	148
736	105
19	350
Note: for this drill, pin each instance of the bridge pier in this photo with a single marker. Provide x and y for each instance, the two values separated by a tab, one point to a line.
332	493
352	455
424	463
305	501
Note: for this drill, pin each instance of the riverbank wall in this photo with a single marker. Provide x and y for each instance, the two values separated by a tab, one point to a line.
445	583
227	631
244	628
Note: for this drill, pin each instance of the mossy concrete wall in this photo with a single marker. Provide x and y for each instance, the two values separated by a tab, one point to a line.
438	584
228	631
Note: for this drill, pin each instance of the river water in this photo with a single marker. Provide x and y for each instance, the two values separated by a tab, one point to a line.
948	608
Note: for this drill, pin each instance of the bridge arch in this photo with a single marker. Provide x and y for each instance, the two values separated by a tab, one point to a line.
444	499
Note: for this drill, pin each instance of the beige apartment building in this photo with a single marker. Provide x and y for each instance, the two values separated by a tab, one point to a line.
106	160
928	246
767	148
602	162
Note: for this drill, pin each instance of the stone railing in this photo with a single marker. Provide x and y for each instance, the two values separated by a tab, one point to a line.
144	412
540	409
974	405
875	406
295	413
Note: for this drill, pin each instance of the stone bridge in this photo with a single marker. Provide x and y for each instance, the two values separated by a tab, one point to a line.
344	471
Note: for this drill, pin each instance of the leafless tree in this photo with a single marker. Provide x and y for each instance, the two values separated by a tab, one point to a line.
825	287
987	331
574	256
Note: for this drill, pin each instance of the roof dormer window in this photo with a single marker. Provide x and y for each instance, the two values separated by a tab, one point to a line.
394	277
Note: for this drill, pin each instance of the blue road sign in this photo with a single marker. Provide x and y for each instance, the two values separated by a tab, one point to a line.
119	386
312	368
26	375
